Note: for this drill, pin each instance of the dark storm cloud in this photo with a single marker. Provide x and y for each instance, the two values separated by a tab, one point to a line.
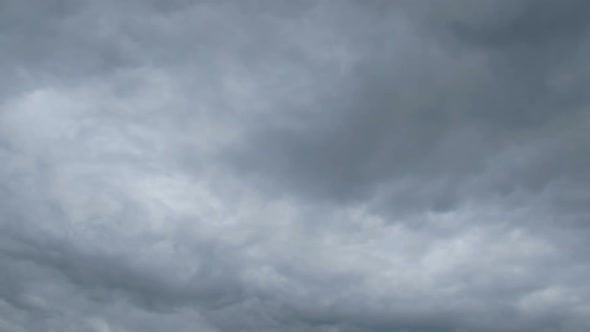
441	112
536	24
294	166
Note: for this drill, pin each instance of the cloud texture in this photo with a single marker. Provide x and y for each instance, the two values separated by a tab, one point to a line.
321	166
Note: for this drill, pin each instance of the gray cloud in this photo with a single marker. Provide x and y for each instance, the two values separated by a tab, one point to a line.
294	166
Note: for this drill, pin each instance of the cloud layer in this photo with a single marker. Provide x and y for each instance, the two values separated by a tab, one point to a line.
321	166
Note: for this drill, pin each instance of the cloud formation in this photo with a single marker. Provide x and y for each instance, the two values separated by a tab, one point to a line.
321	166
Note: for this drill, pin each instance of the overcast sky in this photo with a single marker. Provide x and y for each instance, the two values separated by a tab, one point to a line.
295	165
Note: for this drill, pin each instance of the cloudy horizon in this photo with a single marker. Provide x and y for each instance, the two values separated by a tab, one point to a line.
309	165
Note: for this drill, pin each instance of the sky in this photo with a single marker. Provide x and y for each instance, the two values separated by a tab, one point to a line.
295	166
